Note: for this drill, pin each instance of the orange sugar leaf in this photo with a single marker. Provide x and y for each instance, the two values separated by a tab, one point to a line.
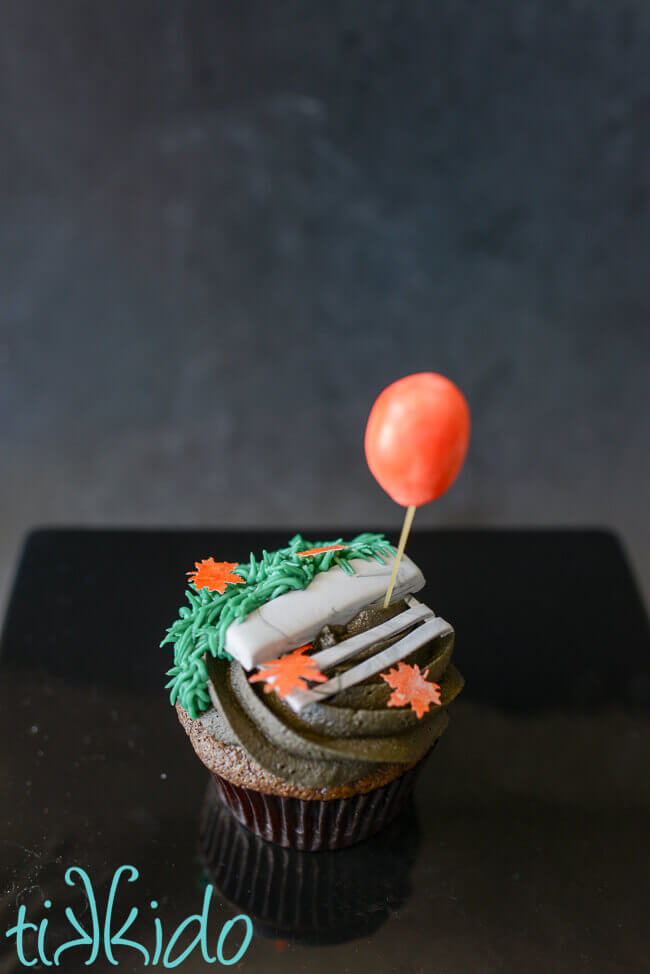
410	686
288	673
214	575
318	551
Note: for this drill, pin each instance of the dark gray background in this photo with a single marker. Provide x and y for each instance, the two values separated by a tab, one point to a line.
225	226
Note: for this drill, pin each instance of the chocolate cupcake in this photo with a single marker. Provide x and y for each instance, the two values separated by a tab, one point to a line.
311	704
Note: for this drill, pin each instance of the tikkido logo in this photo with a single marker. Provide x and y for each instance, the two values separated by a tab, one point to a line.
97	937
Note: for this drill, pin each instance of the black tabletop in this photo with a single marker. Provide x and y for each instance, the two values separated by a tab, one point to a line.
526	847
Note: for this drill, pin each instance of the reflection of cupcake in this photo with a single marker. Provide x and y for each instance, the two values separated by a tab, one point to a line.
318	748
330	898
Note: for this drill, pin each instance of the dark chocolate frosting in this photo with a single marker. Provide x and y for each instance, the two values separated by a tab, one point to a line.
341	740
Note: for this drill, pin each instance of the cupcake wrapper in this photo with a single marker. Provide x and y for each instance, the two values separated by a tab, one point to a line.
330	898
314	825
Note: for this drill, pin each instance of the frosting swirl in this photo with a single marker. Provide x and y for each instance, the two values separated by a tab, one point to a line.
346	738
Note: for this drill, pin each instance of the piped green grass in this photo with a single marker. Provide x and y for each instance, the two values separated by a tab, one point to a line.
201	625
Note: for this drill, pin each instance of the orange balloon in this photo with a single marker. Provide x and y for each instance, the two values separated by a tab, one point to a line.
417	437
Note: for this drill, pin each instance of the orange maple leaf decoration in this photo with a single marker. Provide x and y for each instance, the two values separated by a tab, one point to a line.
289	672
318	551
410	686
214	574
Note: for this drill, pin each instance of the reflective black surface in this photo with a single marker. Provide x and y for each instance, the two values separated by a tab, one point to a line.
527	848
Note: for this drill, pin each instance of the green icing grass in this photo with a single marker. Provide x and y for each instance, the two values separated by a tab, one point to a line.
201	627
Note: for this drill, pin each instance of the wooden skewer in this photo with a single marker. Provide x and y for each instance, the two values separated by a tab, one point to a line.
406	527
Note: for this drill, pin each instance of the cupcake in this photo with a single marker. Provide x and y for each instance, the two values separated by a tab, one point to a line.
330	898
312	704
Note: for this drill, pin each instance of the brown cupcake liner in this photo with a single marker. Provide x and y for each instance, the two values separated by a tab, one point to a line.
315	825
330	898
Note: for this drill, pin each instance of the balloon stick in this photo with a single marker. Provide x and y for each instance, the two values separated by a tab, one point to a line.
406	527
